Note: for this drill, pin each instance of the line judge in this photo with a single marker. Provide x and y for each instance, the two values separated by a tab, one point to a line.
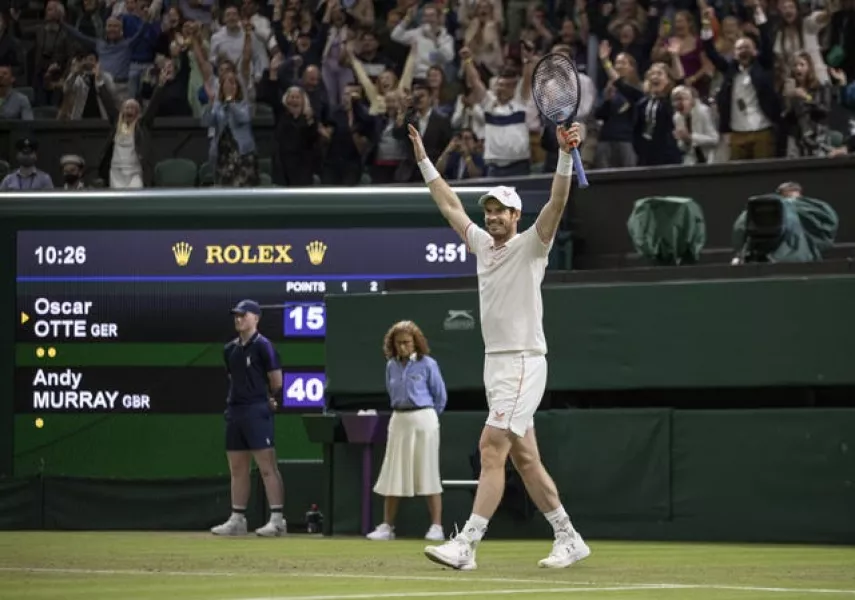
255	381
418	396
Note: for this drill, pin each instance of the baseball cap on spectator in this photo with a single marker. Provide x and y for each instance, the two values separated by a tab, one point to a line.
26	145
72	159
247	306
504	195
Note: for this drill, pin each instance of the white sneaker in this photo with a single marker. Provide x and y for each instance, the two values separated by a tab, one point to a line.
236	525
435	534
457	553
273	528
566	550
383	533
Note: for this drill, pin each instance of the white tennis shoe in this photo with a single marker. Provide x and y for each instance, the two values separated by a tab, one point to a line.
273	528
383	533
457	553
236	525
435	534
566	550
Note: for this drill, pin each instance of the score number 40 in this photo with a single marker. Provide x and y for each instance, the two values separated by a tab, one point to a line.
303	388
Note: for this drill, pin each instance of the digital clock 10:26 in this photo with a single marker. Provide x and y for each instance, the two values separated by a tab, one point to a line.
52	255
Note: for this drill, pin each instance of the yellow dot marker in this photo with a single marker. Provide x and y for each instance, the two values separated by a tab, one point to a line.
51	352
40	352
39	423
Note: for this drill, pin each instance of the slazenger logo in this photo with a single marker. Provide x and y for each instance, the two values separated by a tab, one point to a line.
459	320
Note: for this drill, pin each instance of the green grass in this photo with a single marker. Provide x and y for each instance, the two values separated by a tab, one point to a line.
155	355
192	566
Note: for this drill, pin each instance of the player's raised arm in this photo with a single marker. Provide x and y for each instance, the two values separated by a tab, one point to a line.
444	197
550	215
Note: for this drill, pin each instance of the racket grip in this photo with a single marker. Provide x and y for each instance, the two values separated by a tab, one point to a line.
580	170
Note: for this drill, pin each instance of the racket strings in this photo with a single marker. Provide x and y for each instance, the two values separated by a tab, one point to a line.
555	89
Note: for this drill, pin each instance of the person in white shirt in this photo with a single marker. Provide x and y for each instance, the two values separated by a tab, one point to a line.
511	267
237	41
433	44
694	127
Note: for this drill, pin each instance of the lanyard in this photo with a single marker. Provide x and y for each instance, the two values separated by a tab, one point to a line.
31	179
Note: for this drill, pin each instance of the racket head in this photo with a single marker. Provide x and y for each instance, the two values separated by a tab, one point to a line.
556	89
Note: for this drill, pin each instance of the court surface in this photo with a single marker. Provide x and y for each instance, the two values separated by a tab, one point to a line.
193	566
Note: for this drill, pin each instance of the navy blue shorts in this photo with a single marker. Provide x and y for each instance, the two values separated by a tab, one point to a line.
249	427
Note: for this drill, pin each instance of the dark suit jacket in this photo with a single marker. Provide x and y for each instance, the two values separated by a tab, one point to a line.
656	147
762	75
436	137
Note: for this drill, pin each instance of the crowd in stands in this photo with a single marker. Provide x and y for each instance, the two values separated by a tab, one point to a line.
664	82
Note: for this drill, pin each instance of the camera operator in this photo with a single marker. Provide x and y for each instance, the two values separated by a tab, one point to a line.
80	91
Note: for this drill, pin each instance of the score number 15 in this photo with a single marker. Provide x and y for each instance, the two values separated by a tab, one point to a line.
305	319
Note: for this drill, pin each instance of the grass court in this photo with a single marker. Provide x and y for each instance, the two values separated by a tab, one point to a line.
195	566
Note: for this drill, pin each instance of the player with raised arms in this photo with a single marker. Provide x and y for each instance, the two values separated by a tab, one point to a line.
511	267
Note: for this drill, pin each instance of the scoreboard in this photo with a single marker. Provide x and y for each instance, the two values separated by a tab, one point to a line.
136	321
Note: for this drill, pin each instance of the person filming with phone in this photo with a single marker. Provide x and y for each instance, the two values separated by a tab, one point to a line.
462	158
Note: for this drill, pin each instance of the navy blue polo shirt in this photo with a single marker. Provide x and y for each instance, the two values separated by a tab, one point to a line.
248	366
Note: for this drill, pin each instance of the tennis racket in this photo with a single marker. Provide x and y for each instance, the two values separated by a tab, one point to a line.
556	91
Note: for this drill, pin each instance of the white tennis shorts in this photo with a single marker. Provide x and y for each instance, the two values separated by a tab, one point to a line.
411	464
515	382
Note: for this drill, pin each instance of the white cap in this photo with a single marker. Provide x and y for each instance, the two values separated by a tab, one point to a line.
506	196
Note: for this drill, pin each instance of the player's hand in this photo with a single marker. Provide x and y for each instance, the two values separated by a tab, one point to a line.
418	145
273	403
569	137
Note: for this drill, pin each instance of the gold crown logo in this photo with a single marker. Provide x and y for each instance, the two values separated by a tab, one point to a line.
182	252
316	251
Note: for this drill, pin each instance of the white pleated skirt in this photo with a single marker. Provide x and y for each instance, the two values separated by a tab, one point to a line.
411	464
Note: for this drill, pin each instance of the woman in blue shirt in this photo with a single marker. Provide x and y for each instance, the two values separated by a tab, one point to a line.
411	464
229	120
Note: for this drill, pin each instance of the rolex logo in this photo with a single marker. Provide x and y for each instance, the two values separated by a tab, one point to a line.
316	251
182	252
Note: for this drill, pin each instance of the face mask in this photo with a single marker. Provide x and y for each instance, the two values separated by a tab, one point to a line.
26	160
71	178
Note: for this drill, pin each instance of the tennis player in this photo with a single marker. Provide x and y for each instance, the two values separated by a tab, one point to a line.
255	381
511	267
417	395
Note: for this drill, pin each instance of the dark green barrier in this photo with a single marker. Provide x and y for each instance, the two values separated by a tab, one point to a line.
92	504
82	503
749	475
746	333
21	504
763	470
614	464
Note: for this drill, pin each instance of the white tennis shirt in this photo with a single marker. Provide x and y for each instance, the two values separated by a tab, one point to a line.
509	280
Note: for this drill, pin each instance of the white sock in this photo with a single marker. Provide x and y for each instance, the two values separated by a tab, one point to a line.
560	521
475	528
276	514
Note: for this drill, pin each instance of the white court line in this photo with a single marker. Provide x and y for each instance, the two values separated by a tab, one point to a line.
134	572
454	594
581	585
